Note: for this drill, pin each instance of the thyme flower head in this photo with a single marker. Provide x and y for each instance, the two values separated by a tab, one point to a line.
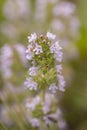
45	55
44	78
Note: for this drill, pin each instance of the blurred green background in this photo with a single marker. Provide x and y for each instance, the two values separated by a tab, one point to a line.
17	21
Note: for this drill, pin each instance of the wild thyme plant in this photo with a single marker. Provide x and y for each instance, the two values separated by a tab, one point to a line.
43	77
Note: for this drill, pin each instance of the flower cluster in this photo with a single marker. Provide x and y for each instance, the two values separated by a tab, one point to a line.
45	71
44	110
39	109
44	77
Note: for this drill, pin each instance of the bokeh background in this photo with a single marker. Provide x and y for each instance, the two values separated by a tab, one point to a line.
68	20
